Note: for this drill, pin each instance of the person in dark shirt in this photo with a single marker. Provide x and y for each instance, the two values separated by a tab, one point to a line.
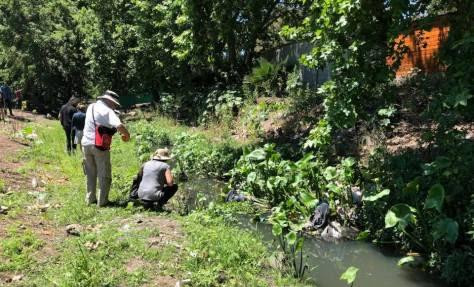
7	97
78	122
18	97
65	117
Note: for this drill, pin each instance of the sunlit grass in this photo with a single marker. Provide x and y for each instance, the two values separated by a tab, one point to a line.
105	229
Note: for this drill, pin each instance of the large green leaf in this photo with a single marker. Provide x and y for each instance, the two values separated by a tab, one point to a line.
447	229
330	173
257	155
276	229
400	214
363	235
377	196
291	238
308	199
350	274
251	177
412	187
333	188
435	197
405	260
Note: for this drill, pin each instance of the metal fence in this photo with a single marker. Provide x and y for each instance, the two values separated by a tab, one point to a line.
290	54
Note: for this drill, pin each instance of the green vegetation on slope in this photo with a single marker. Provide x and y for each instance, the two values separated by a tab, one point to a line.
123	244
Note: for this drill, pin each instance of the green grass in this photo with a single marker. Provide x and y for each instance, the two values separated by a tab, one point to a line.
17	249
3	187
213	252
228	255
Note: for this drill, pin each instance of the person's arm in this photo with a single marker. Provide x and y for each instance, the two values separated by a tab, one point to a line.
169	177
115	122
124	132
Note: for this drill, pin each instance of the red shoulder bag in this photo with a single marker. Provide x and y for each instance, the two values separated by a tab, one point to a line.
103	135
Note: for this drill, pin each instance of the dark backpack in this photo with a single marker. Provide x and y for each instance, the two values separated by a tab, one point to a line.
134	188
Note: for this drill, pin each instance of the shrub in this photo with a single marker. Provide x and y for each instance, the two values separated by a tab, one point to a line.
149	138
459	268
195	154
221	106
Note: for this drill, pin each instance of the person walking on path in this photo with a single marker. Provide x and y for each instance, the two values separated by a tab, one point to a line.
65	117
2	107
7	97
101	122
156	185
18	96
78	122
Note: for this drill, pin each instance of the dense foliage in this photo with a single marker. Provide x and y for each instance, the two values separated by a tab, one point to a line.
194	153
139	48
203	62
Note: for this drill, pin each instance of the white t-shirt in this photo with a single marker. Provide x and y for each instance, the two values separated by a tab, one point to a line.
104	116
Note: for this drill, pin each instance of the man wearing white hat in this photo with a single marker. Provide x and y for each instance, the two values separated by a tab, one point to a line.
97	158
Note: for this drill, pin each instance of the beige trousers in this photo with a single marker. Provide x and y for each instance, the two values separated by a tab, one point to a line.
97	165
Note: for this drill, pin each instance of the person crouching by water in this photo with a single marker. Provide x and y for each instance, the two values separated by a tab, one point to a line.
156	186
100	124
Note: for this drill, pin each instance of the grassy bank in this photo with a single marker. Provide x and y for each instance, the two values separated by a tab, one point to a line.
121	245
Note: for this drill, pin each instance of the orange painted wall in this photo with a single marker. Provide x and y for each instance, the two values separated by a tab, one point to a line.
423	46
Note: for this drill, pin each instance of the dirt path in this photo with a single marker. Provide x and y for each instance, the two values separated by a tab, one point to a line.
18	217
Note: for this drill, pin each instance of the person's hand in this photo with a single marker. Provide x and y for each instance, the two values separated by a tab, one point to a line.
125	137
124	132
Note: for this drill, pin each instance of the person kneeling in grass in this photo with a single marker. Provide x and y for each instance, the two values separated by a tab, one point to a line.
156	185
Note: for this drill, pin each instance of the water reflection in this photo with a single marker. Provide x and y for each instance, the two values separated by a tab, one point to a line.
327	261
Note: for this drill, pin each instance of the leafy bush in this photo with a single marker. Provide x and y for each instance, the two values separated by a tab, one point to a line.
195	154
266	80
252	115
265	174
149	138
303	99
221	106
186	105
430	208
459	268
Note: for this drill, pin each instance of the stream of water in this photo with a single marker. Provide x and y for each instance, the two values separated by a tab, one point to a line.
327	260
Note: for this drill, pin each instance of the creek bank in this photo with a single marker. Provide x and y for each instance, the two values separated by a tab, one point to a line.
328	251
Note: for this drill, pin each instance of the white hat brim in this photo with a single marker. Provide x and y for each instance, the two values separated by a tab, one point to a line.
107	97
161	158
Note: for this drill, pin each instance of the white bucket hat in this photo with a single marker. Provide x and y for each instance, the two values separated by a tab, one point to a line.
111	96
162	154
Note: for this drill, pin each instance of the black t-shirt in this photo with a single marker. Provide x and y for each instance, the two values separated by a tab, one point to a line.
66	112
79	120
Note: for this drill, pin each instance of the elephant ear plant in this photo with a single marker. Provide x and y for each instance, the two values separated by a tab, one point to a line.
350	275
288	220
443	228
